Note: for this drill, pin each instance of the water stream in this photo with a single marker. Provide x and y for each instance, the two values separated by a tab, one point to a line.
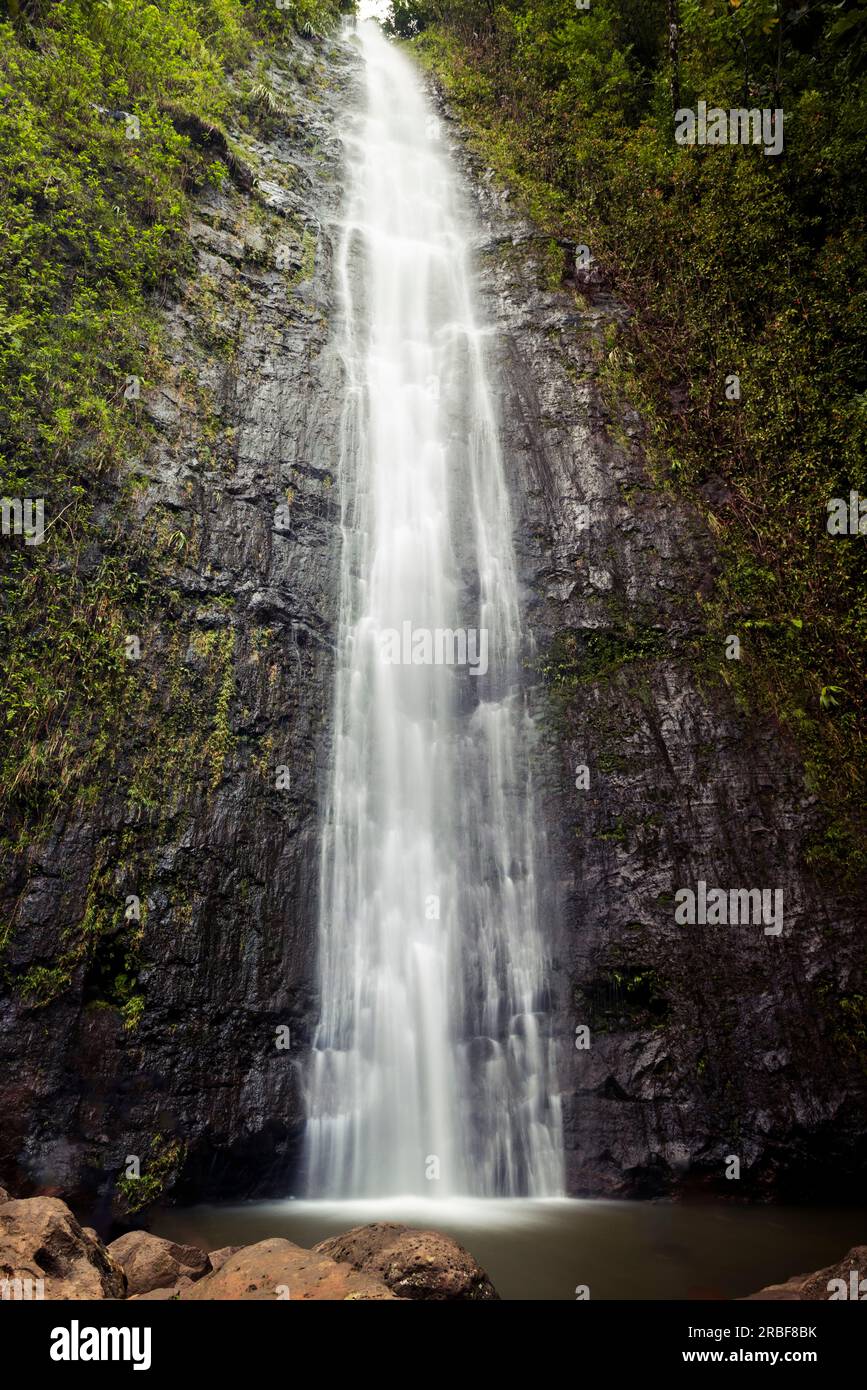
432	1068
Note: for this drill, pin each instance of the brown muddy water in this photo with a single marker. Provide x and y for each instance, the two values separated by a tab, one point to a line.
545	1249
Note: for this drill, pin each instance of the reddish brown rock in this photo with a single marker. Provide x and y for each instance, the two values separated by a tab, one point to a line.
41	1239
277	1269
837	1282
149	1262
414	1264
219	1257
164	1294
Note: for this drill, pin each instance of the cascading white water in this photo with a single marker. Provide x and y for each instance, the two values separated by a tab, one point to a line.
432	1067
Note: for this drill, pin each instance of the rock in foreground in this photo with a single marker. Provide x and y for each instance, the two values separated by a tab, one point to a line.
836	1282
414	1264
41	1239
149	1262
277	1269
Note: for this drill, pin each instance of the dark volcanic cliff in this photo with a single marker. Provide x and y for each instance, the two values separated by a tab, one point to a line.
159	1038
705	1041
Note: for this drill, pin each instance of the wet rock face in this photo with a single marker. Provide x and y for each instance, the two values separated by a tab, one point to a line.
223	858
705	1041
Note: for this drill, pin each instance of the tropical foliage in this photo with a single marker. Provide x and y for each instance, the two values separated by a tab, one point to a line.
735	263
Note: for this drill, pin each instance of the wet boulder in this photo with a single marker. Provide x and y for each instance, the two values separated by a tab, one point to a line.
414	1264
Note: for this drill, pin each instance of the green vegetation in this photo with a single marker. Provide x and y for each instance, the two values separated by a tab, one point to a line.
735	263
616	832
627	997
588	655
158	1172
846	1016
112	114
582	657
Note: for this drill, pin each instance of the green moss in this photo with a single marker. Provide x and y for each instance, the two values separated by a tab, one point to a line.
159	1170
608	761
616	833
308	259
554	265
189	722
41	984
587	656
627	996
847	1019
132	1012
222	739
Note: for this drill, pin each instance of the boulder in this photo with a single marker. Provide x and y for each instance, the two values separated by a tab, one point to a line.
41	1239
219	1257
820	1287
413	1263
780	1293
277	1269
164	1294
150	1263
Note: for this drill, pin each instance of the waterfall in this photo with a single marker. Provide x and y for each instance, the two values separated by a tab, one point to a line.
432	1070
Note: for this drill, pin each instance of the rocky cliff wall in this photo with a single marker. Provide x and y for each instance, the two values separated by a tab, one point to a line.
162	1042
705	1041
